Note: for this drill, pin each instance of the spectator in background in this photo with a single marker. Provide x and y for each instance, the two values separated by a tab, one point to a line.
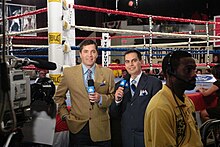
117	72
199	71
41	74
42	92
124	73
215	59
147	71
208	71
212	113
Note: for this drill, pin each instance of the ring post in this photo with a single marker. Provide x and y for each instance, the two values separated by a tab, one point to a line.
55	51
207	43
106	43
150	43
69	33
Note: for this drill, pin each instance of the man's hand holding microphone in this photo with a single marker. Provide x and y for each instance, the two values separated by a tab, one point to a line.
119	94
94	97
120	91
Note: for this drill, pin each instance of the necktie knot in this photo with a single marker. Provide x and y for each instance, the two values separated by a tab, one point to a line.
134	82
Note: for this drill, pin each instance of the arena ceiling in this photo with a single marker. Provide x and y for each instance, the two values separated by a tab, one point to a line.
174	8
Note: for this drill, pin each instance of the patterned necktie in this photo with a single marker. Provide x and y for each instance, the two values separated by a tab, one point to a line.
133	87
89	74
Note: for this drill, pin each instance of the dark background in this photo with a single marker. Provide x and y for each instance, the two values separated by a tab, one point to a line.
172	8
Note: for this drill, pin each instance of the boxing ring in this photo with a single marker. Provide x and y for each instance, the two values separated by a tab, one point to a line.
62	50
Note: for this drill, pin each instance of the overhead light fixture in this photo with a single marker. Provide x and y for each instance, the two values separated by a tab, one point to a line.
133	3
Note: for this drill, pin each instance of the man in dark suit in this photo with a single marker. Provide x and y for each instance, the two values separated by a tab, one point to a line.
131	101
88	119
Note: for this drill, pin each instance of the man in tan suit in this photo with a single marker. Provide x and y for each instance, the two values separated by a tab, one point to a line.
88	119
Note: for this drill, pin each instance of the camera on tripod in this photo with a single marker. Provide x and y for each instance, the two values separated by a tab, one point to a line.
18	94
22	99
20	89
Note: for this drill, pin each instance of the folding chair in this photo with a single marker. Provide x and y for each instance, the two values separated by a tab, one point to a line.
210	132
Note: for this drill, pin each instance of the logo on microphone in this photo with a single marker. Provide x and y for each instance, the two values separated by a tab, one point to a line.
122	83
91	89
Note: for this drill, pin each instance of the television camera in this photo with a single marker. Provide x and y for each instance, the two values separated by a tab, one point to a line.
18	95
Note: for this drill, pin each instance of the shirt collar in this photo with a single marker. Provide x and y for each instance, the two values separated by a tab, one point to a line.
85	68
137	78
170	96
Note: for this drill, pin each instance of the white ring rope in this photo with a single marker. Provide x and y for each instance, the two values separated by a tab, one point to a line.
30	46
162	44
40	30
122	31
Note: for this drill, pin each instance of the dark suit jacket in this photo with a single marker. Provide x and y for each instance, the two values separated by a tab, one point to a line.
81	110
132	109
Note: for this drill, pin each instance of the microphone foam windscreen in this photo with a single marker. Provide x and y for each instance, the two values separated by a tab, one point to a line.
45	65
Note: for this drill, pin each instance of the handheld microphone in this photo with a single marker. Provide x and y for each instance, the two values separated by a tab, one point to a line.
91	88
124	82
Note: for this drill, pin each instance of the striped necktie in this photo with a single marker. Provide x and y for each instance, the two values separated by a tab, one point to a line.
89	74
133	87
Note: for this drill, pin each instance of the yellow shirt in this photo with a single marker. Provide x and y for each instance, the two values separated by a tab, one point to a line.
117	72
164	120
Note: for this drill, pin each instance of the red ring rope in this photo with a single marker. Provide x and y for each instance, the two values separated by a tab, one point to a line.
80	7
26	14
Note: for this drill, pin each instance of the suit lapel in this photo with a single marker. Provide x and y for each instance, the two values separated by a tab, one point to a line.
99	77
127	90
141	85
143	82
80	78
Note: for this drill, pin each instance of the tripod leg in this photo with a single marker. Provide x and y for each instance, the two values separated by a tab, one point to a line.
9	139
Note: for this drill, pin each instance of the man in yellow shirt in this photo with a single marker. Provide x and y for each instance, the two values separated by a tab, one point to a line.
117	72
169	120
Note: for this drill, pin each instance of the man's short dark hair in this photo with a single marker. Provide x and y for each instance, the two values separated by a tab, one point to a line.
134	51
172	60
87	42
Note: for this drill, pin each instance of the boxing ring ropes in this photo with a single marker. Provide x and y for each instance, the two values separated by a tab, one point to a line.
58	27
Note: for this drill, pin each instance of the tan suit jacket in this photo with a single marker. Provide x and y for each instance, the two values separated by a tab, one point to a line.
81	110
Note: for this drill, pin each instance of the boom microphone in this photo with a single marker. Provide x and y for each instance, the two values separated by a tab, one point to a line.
38	63
44	64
